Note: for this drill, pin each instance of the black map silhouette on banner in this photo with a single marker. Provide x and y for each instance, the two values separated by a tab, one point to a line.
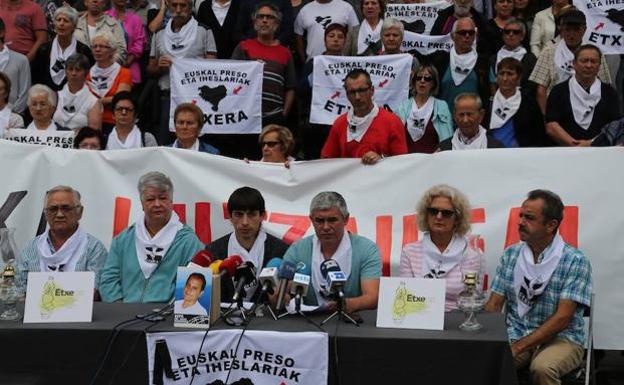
417	26
213	95
616	16
242	381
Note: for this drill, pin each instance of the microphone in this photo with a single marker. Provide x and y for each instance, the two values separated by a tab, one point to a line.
215	266
268	276
245	274
335	278
299	288
203	258
229	265
286	273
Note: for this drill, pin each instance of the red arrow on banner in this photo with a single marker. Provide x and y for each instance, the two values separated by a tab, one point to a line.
194	101
383	83
600	25
237	90
334	96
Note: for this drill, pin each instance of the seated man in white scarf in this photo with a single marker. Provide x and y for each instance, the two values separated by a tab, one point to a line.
578	108
469	135
64	246
143	260
356	256
248	240
544	284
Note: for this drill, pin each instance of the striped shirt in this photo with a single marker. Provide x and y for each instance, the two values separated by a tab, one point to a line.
571	280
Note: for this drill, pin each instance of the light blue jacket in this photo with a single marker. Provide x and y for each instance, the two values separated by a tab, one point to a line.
442	120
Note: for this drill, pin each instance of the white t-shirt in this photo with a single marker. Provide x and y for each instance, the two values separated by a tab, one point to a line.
196	309
314	17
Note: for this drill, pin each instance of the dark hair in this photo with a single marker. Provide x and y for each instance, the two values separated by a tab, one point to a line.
553	206
86	133
356	73
246	199
78	60
510	63
198	276
7	84
585	47
382	8
2	26
268	4
123	95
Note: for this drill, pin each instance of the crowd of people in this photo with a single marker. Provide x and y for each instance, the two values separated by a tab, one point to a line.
517	75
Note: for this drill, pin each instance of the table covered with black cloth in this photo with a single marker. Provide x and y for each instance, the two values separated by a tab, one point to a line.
70	353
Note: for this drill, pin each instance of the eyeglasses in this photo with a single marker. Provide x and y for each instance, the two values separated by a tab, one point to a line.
445	213
271	144
261	16
126	110
424	78
51	210
329	220
358	91
466	32
512	31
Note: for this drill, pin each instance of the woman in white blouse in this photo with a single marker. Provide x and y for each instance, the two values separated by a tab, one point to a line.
365	39
8	118
543	29
41	105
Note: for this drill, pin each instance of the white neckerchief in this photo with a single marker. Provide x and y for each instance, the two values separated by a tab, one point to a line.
152	250
503	109
178	43
357	126
437	264
462	65
418	119
102	79
5	118
51	127
367	36
530	279
133	140
65	258
342	256
503	53
478	142
194	147
70	104
584	103
58	57
5	55
563	61
255	255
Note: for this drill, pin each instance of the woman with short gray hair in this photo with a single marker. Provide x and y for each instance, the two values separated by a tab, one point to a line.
392	33
49	65
41	105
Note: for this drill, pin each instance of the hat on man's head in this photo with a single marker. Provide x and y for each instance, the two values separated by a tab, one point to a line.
571	15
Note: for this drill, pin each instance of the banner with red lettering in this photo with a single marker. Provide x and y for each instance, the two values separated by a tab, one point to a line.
605	24
381	198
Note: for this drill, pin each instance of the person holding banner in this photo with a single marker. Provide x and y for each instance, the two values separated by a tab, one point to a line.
8	118
365	39
277	144
41	105
427	119
126	135
544	285
64	245
578	108
17	68
188	120
143	259
366	131
356	256
446	248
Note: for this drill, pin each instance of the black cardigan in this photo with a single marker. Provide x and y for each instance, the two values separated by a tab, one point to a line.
224	35
40	66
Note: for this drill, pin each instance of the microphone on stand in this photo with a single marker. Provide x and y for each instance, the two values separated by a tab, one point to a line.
286	273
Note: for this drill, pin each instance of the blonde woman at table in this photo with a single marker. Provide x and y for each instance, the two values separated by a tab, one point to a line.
445	249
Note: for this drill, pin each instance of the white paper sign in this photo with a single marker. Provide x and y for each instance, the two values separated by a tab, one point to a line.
425	44
605	24
411	303
228	91
390	75
59	297
192	294
418	17
61	139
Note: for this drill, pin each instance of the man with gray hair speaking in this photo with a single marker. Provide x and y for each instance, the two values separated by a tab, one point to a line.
143	259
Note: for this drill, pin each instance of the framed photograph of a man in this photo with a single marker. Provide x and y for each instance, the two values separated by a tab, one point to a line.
192	297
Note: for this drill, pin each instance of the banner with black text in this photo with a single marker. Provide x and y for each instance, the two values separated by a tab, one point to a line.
425	44
416	17
60	139
605	24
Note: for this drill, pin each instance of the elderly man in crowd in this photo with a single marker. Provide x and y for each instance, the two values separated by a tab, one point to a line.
555	62
578	108
469	135
462	69
544	284
366	131
64	246
248	240
357	257
182	37
143	259
94	22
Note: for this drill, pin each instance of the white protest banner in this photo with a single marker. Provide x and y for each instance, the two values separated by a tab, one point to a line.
262	358
418	17
425	44
381	199
228	91
605	24
61	139
411	303
389	73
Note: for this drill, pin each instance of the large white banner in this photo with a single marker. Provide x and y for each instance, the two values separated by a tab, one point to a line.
262	358
425	44
418	17
61	139
381	198
228	91
390	75
605	24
